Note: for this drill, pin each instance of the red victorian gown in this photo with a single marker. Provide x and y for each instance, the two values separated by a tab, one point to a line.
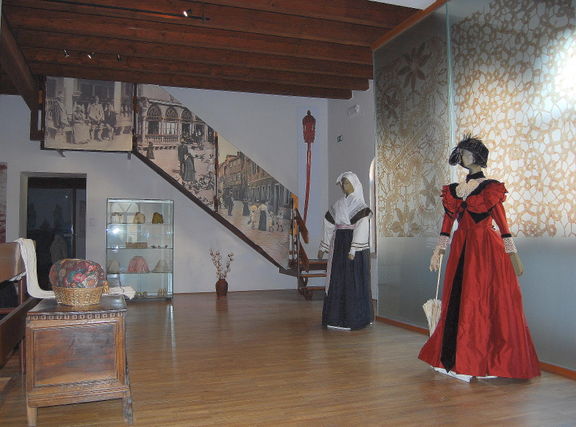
482	329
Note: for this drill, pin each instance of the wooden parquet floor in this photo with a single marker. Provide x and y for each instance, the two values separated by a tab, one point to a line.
261	358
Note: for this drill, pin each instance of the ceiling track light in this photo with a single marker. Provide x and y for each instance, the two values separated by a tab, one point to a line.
188	13
90	55
66	54
118	57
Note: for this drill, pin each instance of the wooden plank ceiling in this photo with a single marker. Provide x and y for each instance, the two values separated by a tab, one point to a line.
312	48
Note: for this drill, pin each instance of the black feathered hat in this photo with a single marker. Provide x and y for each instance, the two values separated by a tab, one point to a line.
475	146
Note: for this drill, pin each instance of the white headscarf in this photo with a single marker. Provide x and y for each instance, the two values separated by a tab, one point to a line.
345	208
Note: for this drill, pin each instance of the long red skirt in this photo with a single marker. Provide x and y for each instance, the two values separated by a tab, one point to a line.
482	329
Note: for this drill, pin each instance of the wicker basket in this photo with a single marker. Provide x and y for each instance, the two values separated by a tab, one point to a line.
79	296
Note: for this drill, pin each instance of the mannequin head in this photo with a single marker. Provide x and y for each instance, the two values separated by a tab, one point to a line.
347	187
475	147
467	158
353	188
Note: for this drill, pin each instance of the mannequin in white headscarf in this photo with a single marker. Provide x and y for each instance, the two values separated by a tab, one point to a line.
348	301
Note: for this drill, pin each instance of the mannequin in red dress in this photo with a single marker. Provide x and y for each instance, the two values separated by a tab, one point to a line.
482	331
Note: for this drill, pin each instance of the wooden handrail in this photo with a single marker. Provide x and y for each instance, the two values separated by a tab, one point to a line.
301	225
304	261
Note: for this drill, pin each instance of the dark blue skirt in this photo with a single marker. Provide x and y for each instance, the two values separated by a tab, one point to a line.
348	303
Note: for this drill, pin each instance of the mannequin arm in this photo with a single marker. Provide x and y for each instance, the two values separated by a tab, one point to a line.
361	237
326	238
435	259
517	263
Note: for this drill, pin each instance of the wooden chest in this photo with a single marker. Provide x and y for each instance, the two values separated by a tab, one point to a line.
76	354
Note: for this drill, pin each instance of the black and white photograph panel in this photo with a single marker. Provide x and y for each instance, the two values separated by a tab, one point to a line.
88	115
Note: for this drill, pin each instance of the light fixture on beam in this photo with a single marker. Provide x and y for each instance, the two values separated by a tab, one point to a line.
66	54
118	57
188	13
90	55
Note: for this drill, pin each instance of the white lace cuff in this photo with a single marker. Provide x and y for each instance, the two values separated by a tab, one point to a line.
443	242
509	246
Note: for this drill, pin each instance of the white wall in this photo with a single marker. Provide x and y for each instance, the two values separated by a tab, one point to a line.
355	153
265	126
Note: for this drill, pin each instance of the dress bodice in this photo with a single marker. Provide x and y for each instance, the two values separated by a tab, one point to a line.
487	194
477	206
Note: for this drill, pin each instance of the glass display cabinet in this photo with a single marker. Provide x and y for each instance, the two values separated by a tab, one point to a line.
140	245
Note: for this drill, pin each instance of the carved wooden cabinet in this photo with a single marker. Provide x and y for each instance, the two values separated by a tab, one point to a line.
76	354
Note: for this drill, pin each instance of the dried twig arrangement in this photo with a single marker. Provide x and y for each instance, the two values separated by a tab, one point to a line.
222	268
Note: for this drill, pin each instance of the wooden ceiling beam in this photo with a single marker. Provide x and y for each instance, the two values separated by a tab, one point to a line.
161	66
220	17
407	24
42	39
15	66
6	86
177	80
123	28
356	11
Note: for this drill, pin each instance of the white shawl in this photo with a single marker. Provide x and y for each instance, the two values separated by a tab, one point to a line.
345	208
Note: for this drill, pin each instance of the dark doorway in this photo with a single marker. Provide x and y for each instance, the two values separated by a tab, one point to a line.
56	220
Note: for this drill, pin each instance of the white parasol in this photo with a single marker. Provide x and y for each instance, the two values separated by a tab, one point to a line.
433	307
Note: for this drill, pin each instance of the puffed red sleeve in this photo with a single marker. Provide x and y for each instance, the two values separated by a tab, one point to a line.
494	193
450	208
499	216
497	195
447	224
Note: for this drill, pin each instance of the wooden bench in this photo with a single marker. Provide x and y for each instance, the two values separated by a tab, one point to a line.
12	325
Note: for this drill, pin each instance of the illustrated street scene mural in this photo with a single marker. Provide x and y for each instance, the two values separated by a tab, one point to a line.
180	143
177	141
90	115
253	201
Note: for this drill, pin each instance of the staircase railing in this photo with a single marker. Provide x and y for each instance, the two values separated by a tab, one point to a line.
303	267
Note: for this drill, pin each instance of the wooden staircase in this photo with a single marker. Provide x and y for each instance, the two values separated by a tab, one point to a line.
301	266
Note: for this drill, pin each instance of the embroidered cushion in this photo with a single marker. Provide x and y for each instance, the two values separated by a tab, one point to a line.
77	273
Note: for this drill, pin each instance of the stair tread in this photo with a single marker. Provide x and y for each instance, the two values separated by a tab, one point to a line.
289	271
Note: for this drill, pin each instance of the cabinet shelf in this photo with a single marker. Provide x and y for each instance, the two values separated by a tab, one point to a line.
124	248
148	224
156	241
134	274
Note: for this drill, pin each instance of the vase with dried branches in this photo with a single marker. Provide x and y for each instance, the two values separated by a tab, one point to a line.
222	270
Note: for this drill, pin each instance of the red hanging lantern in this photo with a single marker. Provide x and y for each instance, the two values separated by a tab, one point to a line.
309	129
